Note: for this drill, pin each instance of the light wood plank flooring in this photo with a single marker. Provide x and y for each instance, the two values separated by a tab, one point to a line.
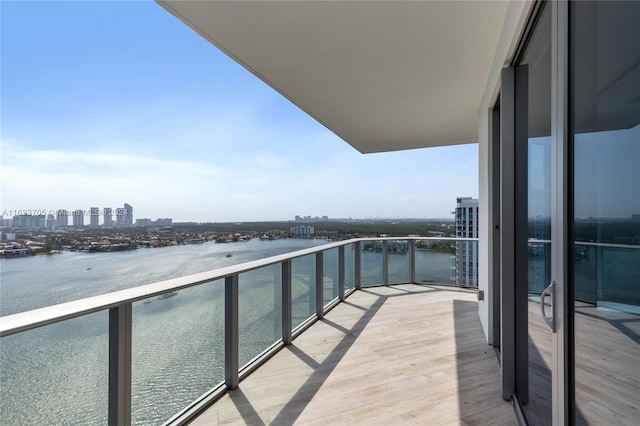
409	354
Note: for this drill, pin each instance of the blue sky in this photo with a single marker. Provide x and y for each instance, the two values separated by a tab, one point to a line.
111	102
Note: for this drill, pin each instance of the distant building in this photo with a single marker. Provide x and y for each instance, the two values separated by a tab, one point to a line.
466	253
299	218
119	217
7	236
62	219
143	222
108	216
77	218
128	214
327	234
124	216
27	221
50	222
163	222
94	217
15	252
302	231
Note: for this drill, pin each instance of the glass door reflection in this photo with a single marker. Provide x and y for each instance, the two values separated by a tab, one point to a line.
605	138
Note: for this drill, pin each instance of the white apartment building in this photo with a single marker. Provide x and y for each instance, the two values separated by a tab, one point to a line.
465	267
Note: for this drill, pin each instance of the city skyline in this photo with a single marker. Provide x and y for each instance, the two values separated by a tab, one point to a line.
154	114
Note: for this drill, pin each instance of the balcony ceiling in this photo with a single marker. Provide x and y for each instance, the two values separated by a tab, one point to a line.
383	76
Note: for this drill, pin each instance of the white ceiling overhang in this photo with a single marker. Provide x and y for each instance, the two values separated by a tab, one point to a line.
382	75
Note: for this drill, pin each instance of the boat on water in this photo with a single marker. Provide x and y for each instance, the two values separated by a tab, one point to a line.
229	255
194	241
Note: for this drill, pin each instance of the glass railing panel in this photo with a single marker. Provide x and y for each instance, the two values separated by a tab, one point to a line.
539	266
436	262
56	374
303	293
371	262
607	275
349	266
586	270
465	263
330	273
177	350
259	311
398	261
620	275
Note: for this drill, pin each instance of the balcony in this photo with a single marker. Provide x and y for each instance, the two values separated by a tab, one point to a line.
409	352
391	355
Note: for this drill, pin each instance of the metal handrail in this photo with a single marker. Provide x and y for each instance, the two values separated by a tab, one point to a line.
591	244
608	245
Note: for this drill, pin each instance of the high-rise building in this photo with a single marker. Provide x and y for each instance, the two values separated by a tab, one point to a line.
119	213
465	266
128	214
28	221
107	220
62	219
50	222
78	218
94	217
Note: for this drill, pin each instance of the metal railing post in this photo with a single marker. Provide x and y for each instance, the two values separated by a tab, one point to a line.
412	261
286	302
460	255
231	331
357	266
120	365
341	272
385	262
320	284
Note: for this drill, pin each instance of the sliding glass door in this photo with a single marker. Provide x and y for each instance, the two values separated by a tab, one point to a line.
605	254
534	340
529	331
569	225
536	352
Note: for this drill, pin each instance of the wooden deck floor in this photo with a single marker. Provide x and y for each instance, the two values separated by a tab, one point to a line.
409	354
